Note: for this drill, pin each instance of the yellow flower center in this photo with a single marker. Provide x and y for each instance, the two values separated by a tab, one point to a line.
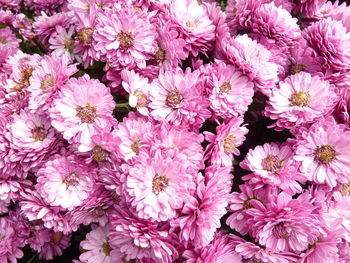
87	114
126	40
325	154
159	183
39	133
300	99
271	163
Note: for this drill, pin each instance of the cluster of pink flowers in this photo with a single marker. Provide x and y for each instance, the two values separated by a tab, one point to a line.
141	129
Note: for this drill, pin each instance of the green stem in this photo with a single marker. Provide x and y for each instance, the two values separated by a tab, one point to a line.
122	105
32	258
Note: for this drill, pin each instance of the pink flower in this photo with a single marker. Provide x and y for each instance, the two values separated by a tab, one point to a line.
124	38
32	137
82	107
138	88
254	60
62	42
324	153
300	99
200	216
176	98
223	145
10	243
47	79
330	40
135	238
221	249
231	92
195	25
276	24
66	181
158	187
96	246
54	244
48	6
308	7
239	203
285	224
273	164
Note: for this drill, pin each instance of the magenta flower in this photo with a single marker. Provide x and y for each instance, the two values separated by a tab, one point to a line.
324	153
223	145
96	246
254	60
66	181
231	92
158	187
331	40
124	38
82	107
47	80
301	99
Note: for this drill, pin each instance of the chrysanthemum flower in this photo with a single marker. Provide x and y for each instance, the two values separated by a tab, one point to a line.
158	187
62	43
240	202
254	60
324	152
200	216
134	238
331	40
66	180
135	134
32	137
231	92
124	38
10	242
82	107
47	79
285	224
274	164
276	24
96	246
55	246
4	206
221	249
308	7
138	88
223	145
195	24
300	99
48	6
176	98
10	4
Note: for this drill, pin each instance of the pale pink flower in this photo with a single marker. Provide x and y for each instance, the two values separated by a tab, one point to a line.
254	60
62	43
223	145
124	38
96	246
158	187
300	99
66	180
324	153
82	107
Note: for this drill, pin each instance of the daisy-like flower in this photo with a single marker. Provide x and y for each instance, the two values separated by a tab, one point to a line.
231	92
8	38
135	134
96	246
331	40
133	238
124	38
285	224
254	60
62	43
66	180
276	24
158	187
223	145
47	79
195	24
275	166
32	137
324	152
200	216
138	88
176	98
300	99
308	7
221	249
83	106
55	246
10	242
240	202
